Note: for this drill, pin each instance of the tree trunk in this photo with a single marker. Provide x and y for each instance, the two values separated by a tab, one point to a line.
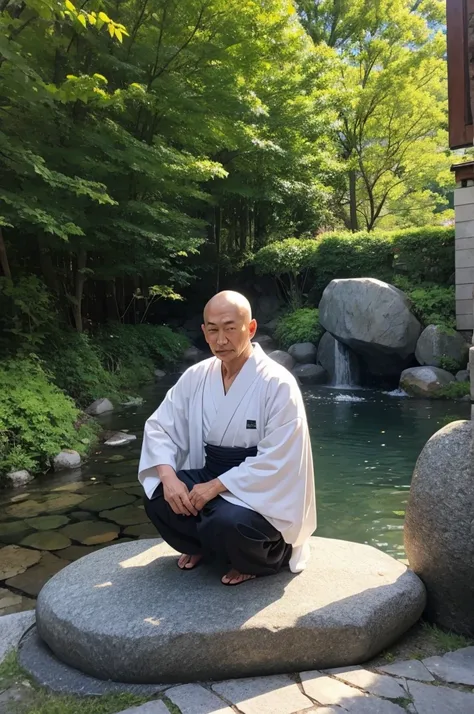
79	291
353	201
4	257
217	233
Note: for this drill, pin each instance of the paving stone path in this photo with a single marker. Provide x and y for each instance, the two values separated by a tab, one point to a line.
435	685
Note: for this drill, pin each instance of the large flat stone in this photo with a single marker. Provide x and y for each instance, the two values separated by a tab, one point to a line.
15	560
194	699
456	667
33	580
440	700
12	629
379	684
411	669
264	695
137	617
327	690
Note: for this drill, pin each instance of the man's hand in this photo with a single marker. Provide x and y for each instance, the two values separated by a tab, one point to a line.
176	493
202	493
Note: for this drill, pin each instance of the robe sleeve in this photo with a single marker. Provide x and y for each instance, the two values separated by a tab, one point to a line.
166	436
278	483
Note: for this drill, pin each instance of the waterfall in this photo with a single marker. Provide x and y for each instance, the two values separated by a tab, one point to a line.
343	369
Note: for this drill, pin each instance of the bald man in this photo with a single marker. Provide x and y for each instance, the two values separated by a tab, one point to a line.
226	460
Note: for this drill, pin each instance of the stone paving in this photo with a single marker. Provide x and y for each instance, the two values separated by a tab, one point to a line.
435	685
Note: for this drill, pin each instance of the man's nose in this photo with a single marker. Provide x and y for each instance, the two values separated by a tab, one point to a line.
221	339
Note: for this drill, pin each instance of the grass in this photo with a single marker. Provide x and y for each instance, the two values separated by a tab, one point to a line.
446	641
172	707
40	701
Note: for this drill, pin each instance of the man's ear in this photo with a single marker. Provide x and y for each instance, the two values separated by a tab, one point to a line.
253	328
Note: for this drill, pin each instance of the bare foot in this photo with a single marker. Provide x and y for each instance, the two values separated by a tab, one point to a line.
188	562
233	577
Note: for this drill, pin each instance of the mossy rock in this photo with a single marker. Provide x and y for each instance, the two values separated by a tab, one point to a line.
15	560
125	516
107	500
47	523
46	540
91	532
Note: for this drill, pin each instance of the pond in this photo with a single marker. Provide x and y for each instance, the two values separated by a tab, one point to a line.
365	445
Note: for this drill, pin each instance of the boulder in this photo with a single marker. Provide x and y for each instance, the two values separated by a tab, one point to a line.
424	381
67	459
332	355
19	478
120	438
373	318
304	352
265	341
193	355
134	620
436	343
462	375
439	537
283	358
100	406
310	374
266	308
159	374
271	326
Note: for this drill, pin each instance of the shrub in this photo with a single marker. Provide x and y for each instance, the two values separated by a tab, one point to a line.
454	390
432	304
450	364
37	419
301	325
26	314
421	255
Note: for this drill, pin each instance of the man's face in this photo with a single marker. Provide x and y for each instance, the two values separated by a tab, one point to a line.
228	331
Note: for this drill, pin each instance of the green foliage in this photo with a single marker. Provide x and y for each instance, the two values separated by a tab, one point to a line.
48	703
26	313
409	259
432	304
446	641
113	362
301	325
454	390
37	419
450	364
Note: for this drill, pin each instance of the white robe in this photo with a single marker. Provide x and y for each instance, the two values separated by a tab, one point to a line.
278	483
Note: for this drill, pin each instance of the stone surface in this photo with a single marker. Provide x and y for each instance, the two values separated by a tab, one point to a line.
328	349
46	540
49	672
194	699
15	560
91	532
11	602
61	502
155	707
424	381
283	358
372	705
379	684
264	695
12	629
304	352
82	515
159	374
19	478
193	355
439	537
411	669
440	700
350	603
120	439
46	523
462	375
125	516
12	528
327	690
266	308
31	581
100	406
374	319
456	667
107	500
143	529
74	552
310	374
436	342
266	342
24	509
67	459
